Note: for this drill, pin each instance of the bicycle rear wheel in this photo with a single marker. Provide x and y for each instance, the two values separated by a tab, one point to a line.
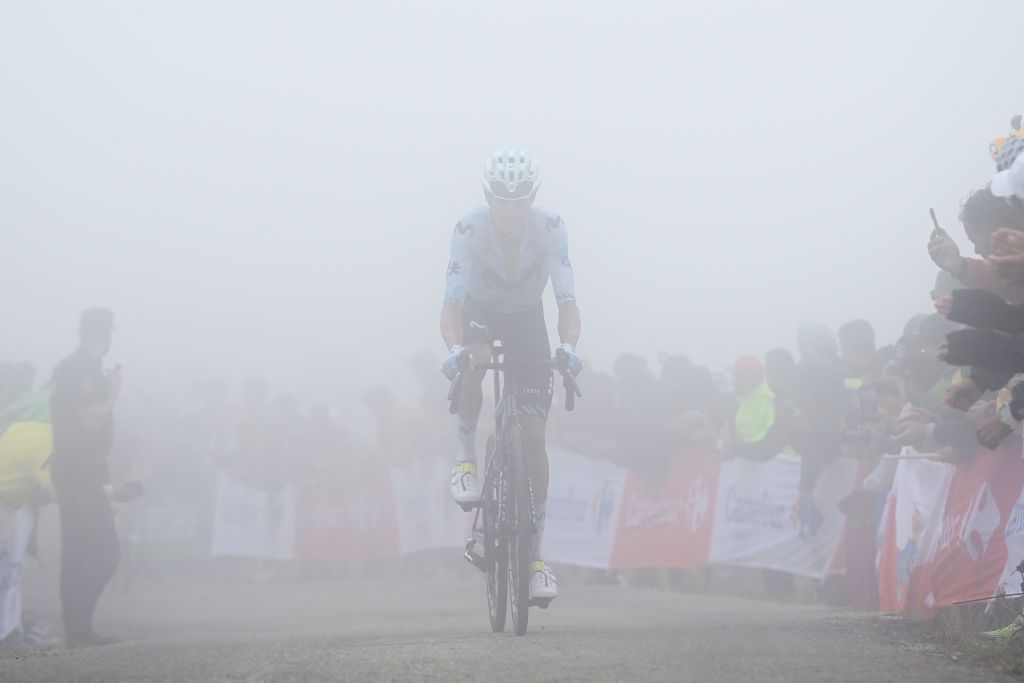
520	529
495	547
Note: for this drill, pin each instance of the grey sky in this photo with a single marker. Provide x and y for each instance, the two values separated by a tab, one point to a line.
271	186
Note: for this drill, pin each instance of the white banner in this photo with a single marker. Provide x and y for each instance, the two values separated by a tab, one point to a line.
583	509
911	523
758	522
15	529
252	522
427	516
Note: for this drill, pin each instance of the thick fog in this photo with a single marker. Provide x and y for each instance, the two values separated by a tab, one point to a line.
270	188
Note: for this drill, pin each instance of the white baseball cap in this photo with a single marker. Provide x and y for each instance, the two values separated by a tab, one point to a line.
1010	182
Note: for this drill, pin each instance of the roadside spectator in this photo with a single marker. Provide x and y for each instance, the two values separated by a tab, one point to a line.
755	413
25	444
83	429
637	422
857	351
982	214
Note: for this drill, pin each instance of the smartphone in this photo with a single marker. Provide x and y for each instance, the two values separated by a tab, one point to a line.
936	231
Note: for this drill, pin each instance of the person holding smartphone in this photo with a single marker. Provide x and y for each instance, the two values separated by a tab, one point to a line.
982	214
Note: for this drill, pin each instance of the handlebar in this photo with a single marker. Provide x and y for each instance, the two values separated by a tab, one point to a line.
560	363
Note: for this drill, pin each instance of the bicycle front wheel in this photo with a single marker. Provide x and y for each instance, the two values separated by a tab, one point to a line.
495	545
520	529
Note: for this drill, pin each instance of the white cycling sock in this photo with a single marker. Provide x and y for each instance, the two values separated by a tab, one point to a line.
466	431
540	518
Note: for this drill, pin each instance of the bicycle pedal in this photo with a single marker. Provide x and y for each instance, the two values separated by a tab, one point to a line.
475	560
469	507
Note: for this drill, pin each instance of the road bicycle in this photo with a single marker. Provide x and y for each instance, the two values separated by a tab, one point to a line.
503	526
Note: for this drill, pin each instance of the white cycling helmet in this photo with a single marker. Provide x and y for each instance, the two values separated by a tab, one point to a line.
511	174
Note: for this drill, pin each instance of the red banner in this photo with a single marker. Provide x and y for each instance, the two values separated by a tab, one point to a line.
667	522
970	548
345	522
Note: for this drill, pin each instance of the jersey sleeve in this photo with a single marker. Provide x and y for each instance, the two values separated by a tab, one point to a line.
459	262
559	264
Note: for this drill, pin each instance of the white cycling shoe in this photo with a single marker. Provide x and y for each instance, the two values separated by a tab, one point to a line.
465	487
542	582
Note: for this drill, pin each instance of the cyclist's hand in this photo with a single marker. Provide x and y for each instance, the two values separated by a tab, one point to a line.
450	366
573	360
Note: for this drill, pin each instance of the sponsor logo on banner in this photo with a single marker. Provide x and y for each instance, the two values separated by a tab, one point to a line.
969	555
760	521
759	513
666	522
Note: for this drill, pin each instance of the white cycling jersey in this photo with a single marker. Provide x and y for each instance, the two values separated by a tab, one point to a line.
476	268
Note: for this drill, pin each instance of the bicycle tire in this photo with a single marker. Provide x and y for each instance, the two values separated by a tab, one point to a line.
520	529
495	547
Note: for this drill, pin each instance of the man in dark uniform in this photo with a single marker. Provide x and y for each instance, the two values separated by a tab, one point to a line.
83	432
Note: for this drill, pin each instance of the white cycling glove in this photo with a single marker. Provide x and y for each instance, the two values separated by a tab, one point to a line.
450	366
575	361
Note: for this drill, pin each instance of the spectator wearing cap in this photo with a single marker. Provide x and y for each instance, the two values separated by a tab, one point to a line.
82	410
780	380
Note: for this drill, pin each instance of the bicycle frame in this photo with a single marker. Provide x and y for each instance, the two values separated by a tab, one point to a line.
506	507
506	413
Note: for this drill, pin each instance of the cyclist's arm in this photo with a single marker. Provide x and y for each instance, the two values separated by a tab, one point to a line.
560	268
455	286
569	323
451	324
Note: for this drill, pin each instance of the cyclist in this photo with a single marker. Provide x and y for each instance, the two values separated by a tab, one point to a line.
502	256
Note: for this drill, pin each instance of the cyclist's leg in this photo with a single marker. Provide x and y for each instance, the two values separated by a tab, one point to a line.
465	482
537	456
470	403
